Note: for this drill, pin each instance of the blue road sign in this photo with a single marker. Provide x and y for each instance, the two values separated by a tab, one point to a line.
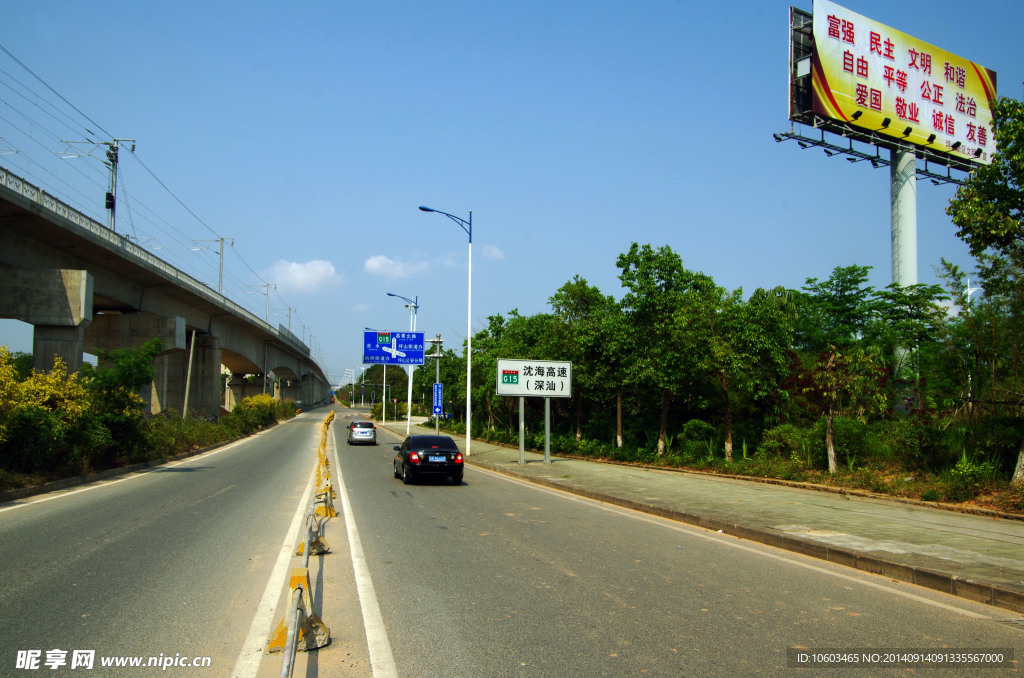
393	348
438	398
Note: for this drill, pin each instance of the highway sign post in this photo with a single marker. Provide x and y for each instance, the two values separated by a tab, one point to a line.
536	379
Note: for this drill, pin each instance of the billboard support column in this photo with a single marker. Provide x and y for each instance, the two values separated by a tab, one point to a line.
903	207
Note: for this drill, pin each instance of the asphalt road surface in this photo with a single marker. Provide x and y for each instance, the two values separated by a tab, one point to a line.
168	563
496	577
502	578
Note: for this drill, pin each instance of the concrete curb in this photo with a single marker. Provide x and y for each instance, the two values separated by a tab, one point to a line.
964	588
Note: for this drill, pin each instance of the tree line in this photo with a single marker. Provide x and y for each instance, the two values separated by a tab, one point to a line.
836	373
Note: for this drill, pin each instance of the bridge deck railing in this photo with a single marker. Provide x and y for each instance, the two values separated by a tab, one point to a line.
98	231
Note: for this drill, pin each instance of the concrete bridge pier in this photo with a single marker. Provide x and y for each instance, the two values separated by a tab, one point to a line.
171	372
239	389
50	342
57	302
291	389
170	368
111	332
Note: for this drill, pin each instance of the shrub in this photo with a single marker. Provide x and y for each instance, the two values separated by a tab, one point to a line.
964	481
849	436
696	442
252	414
785	440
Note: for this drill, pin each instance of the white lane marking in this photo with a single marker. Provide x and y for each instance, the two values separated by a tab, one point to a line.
248	662
692	530
382	660
57	494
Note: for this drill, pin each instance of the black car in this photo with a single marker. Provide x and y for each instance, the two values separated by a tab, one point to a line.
428	457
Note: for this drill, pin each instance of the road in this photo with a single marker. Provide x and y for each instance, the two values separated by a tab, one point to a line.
501	578
169	562
493	578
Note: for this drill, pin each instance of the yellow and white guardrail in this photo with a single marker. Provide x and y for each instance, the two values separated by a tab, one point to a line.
300	627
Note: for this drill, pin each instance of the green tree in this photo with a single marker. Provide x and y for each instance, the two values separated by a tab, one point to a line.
660	357
988	211
582	336
845	382
118	406
836	311
742	346
908	325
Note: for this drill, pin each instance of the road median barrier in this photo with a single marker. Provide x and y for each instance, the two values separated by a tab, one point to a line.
301	628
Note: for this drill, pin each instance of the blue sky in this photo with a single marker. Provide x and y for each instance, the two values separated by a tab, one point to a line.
309	133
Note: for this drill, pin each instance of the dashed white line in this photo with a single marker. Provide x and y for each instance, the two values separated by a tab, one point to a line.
382	660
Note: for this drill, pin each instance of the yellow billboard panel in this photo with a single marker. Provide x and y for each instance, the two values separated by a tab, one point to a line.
876	78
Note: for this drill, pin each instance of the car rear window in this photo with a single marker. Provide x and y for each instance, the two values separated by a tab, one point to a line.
432	442
362	424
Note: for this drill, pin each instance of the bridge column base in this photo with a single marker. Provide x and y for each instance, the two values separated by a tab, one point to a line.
66	343
170	377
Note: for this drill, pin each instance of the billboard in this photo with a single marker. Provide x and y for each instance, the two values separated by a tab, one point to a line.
885	82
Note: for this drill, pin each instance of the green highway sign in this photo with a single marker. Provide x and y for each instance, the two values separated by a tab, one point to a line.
534	378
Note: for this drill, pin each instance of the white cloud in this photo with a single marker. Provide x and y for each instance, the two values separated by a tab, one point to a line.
383	265
311	276
491	252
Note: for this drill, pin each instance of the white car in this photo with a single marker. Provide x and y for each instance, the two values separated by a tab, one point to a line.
362	432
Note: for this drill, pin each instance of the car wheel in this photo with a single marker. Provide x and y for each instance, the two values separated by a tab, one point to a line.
397	474
457	480
406	478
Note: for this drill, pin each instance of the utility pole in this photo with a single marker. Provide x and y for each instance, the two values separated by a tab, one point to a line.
111	198
268	286
113	146
436	357
220	253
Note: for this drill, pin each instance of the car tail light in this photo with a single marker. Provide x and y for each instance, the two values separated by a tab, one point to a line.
414	458
458	458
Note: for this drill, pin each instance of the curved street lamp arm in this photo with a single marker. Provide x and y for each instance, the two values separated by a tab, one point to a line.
467	226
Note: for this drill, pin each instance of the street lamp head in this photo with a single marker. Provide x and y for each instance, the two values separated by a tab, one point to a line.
426	209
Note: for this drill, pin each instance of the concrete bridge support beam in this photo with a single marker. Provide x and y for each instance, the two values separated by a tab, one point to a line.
57	302
171	376
204	394
50	342
115	331
291	390
111	332
242	389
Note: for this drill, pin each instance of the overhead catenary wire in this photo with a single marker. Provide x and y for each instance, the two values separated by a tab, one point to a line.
44	121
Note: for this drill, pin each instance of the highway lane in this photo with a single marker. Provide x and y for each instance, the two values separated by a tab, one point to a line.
501	578
172	561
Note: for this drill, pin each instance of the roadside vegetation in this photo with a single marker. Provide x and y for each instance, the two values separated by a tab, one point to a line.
55	425
909	391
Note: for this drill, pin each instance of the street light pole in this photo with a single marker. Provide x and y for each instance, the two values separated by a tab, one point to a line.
413	306
466	226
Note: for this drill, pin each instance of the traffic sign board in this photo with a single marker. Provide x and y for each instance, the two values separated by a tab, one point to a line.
393	348
438	398
534	378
